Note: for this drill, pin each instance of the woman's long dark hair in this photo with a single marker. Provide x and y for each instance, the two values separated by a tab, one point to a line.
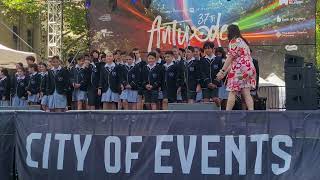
234	32
222	51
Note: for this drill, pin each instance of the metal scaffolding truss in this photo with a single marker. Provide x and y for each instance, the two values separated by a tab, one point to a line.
55	19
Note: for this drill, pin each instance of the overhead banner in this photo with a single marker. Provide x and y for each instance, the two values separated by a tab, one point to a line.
168	145
272	27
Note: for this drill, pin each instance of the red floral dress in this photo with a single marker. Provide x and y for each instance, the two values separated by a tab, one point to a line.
243	73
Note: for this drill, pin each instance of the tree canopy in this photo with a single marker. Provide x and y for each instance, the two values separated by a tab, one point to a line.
75	31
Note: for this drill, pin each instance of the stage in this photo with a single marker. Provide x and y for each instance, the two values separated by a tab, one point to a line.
160	145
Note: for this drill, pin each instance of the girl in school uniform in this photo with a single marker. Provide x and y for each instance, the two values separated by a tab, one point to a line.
110	85
152	79
57	86
33	88
79	81
223	93
131	84
43	84
171	80
19	65
19	89
4	87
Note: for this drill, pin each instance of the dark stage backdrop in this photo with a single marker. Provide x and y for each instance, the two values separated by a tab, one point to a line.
273	27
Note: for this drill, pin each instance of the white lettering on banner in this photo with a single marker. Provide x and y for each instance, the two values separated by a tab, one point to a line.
259	139
81	153
276	140
206	153
159	152
239	153
167	33
129	154
62	138
167	148
186	160
117	156
46	151
30	138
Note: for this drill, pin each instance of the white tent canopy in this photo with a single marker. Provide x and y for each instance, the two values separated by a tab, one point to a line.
276	94
274	79
263	83
9	57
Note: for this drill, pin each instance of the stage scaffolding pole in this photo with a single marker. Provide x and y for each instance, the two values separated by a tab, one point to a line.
55	27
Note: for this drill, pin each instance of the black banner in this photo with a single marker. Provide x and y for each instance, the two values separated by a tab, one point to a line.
168	145
6	145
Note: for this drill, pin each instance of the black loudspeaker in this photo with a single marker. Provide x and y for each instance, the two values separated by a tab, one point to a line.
294	77
301	77
260	103
301	99
147	3
301	84
293	61
310	76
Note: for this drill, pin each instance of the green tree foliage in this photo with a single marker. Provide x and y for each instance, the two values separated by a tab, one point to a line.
318	33
75	31
75	36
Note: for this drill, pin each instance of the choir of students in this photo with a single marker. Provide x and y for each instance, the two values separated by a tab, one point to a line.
118	80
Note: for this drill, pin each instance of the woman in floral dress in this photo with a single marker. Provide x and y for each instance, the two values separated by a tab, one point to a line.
239	68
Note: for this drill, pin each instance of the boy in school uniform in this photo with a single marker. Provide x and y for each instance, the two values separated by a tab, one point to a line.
19	89
121	62
197	56
30	60
171	80
211	66
152	79
79	80
58	85
192	75
93	81
197	53
110	85
124	56
33	88
99	63
182	53
43	71
159	57
4	87
160	62
117	57
131	84
95	56
140	64
176	54
182	92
